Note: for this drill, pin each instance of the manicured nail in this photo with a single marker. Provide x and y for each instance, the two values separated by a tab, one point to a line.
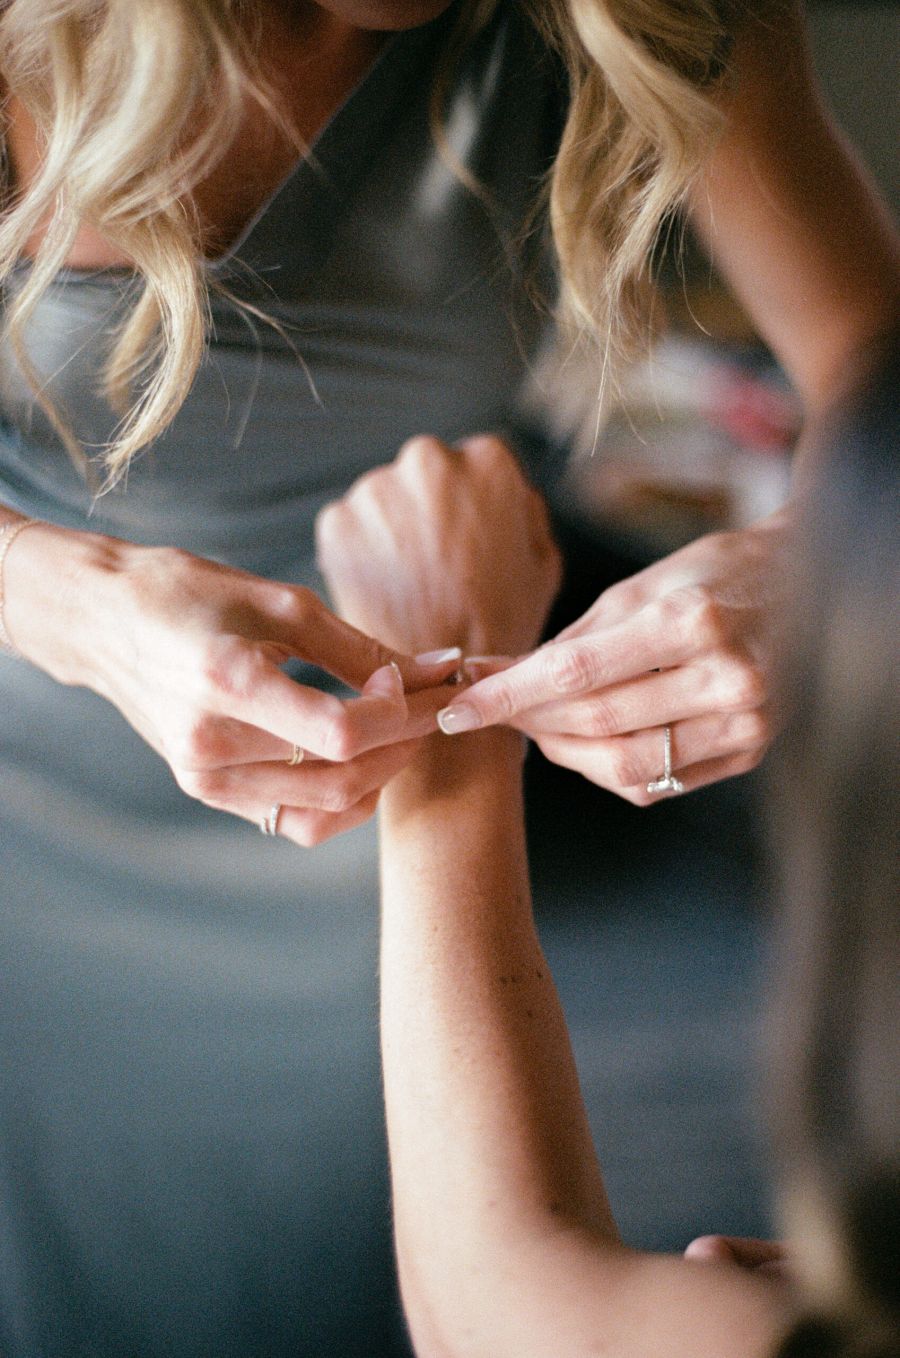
459	717
388	682
439	657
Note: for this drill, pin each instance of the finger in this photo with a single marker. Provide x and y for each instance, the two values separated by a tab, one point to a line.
475	667
211	741
321	786
299	621
584	757
421	717
310	828
633	760
422	709
655	700
241	681
667	632
741	1250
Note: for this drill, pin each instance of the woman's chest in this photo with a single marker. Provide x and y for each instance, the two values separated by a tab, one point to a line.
303	77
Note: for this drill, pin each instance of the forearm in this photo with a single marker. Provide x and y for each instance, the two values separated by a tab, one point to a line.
490	1148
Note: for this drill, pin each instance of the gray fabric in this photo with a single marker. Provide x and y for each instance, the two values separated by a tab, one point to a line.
192	1158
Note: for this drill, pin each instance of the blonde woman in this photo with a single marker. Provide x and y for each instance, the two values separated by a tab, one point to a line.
506	1241
221	328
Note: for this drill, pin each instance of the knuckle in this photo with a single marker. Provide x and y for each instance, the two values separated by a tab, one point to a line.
422	448
304	832
227	667
570	669
339	741
490	450
185	778
741	685
195	746
326	522
624	767
197	784
600	718
330	531
696	616
365	497
754	729
293	604
340	796
751	759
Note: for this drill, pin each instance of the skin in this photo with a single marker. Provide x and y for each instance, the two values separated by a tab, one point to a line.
797	229
187	650
794	224
506	1243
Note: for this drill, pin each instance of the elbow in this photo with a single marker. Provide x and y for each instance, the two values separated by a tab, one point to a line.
426	1332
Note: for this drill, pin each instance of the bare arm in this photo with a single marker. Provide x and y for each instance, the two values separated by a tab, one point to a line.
506	1242
505	1239
791	216
792	219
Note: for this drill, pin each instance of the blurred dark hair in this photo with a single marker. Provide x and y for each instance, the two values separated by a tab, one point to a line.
836	802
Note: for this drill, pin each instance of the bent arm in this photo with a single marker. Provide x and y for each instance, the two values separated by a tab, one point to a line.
505	1238
791	216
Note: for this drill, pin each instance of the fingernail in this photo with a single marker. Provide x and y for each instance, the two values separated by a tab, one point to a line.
439	657
459	717
387	681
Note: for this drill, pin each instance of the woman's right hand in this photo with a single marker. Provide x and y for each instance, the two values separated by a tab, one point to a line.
190	651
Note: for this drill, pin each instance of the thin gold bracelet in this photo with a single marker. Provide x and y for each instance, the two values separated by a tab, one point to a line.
8	536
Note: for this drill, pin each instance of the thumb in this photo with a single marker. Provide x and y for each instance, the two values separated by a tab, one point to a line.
386	682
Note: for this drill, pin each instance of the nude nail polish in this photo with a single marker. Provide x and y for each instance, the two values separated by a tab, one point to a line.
458	718
439	657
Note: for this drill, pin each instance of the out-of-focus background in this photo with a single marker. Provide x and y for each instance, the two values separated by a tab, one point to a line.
655	921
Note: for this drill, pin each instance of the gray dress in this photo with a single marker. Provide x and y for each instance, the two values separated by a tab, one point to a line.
191	1149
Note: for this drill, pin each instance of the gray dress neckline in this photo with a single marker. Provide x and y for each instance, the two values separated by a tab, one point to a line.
335	161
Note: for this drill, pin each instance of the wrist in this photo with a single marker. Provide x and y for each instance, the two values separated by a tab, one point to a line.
478	768
54	582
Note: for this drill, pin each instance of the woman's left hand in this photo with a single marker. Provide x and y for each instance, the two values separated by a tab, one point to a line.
766	1258
689	643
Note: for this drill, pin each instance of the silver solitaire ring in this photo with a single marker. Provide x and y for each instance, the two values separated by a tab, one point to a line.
297	756
667	782
269	823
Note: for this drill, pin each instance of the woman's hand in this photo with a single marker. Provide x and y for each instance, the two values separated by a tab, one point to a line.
190	653
447	546
689	643
767	1258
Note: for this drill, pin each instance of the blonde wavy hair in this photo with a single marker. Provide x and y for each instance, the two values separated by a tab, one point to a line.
134	102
